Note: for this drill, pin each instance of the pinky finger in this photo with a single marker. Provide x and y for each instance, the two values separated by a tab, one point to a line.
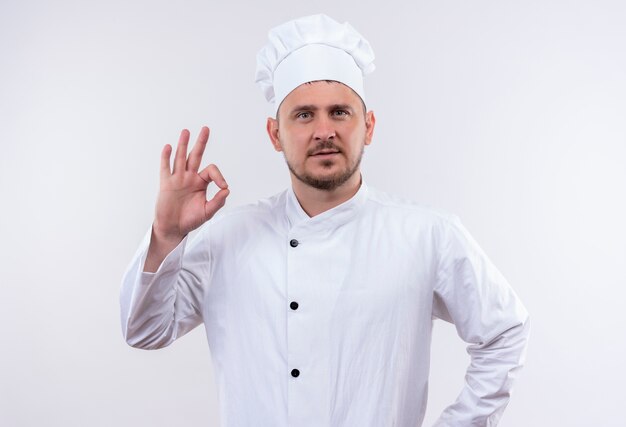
165	160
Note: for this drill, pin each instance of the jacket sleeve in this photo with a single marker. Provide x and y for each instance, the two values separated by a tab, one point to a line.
472	294
157	308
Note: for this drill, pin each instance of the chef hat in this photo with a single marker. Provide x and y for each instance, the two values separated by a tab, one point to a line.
312	48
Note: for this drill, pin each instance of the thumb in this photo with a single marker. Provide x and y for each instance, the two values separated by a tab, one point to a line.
216	203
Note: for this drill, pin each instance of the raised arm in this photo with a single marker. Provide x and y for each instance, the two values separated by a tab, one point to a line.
162	289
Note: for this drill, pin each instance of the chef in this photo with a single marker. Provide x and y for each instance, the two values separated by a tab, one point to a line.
318	302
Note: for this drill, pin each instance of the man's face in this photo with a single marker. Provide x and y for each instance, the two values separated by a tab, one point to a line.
322	131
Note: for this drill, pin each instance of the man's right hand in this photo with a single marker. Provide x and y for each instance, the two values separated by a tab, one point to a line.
182	205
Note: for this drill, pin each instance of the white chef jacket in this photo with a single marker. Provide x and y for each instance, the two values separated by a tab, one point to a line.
326	321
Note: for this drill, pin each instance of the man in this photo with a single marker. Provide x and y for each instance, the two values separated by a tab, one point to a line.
318	302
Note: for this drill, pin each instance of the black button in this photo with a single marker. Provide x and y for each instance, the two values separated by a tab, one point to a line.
295	372
293	305
293	243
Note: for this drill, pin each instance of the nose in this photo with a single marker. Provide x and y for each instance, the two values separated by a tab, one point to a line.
324	129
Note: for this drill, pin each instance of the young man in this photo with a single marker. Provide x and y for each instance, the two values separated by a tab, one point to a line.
318	302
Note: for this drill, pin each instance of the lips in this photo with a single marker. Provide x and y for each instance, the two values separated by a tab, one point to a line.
325	152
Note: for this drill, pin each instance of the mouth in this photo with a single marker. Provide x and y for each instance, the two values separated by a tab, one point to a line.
325	153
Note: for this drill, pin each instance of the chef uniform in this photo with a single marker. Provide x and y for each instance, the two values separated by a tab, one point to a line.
326	320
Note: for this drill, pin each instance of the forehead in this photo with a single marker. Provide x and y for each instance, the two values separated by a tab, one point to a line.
321	93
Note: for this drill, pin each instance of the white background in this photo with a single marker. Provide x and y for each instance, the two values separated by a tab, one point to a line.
510	114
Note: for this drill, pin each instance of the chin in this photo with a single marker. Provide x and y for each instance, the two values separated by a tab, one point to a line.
327	175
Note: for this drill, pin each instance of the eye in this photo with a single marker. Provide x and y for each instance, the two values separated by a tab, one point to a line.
303	115
340	113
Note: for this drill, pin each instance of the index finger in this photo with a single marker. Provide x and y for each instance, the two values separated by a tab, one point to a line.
212	173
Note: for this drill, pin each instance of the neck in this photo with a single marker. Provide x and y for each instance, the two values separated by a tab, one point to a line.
315	201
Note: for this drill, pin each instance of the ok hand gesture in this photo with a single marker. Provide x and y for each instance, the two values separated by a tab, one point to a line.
182	205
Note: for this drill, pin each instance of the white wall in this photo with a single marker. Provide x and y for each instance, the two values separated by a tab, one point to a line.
510	114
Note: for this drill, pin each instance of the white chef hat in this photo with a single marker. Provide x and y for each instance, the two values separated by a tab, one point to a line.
312	48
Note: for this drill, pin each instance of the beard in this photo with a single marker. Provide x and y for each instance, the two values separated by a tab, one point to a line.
331	182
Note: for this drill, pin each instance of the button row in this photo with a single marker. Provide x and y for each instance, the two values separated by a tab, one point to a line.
294	306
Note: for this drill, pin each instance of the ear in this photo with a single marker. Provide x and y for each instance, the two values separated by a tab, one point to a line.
370	121
272	131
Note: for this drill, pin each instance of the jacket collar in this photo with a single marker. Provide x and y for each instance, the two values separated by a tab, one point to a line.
332	218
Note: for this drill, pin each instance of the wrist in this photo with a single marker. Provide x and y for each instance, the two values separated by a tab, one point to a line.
166	237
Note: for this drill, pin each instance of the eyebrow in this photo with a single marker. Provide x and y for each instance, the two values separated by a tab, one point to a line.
303	108
315	108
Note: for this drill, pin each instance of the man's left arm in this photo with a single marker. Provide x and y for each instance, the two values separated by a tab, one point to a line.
471	293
